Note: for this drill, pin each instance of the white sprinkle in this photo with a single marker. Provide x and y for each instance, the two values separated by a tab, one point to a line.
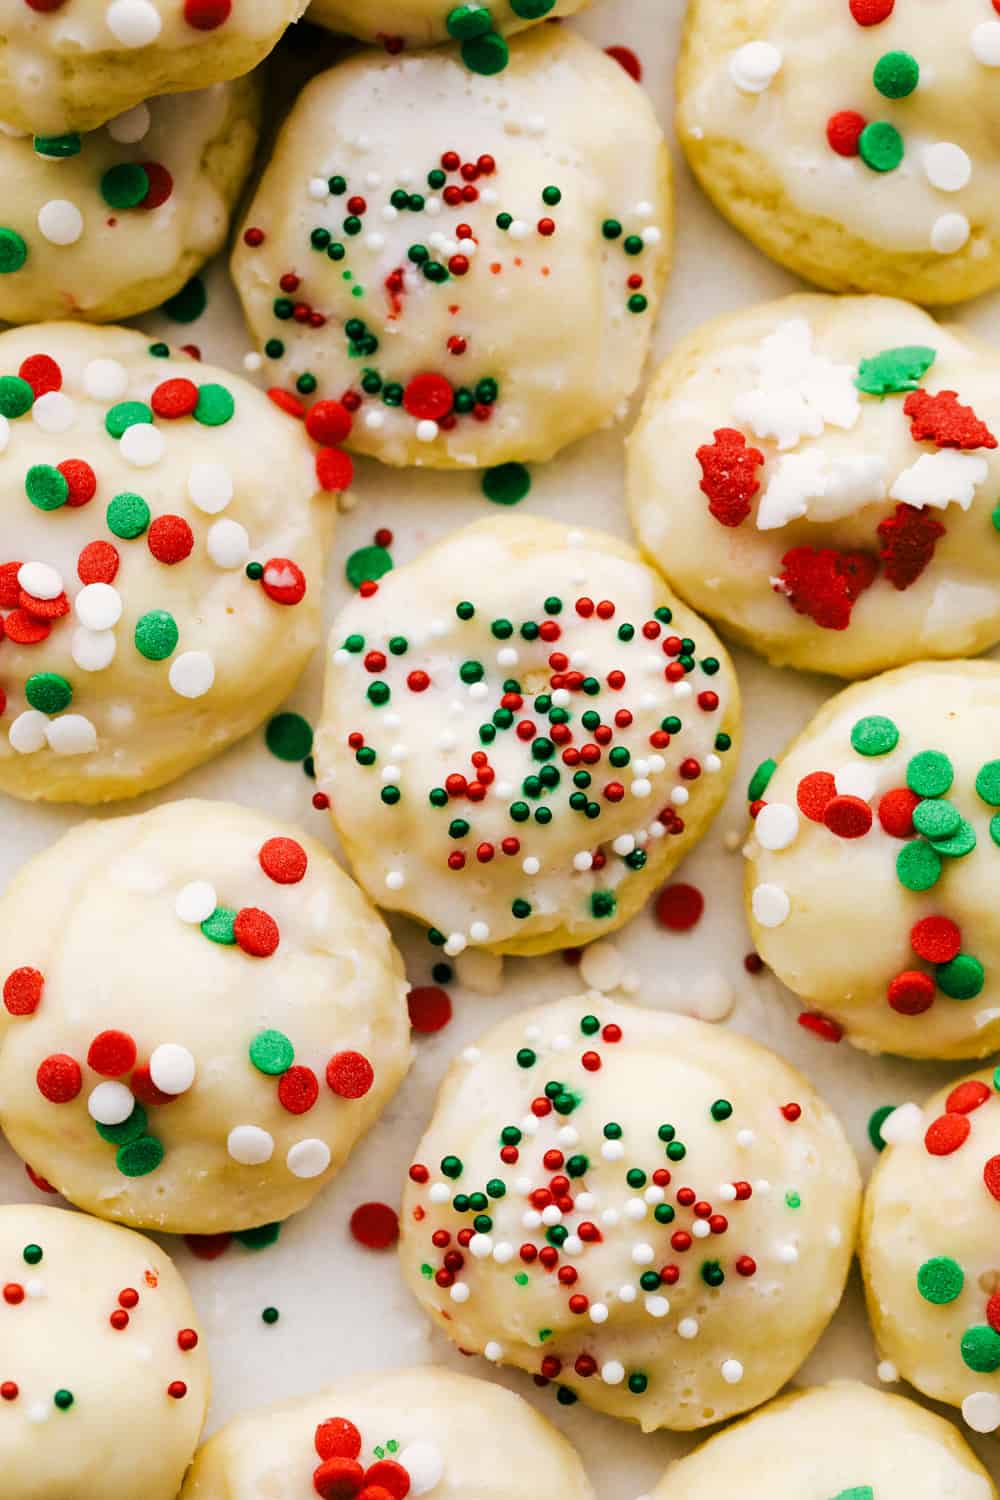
4	434
731	1371
440	1192
395	880
171	1067
228	544
985	43
627	1293
479	933
40	580
60	222
249	1145
598	1312
142	445
481	1246
319	188
424	1464
745	1138
712	997
602	966
904	1124
777	825
493	1351
192	674
210	487
460	1292
700	1229
551	1215
680	796
754	66
134	23
612	1150
642	1254
583	860
308	1158
105	380
531	865
39	1412
427	431
71	734
949	233
657	1307
195	901
948	167
940	478
687	1328
788	1254
27	732
635	1209
503	1253
981	1411
54	412
857	780
93	650
770	904
456	943
252	361
613	1372
110	1103
887	1372
132	126
98	606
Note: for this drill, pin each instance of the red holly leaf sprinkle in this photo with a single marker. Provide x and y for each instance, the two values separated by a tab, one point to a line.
729	475
942	420
825	584
906	544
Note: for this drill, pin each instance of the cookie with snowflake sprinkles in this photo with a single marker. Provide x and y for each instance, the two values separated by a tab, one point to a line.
419	23
481	290
652	1216
104	1380
70	65
400	1433
263	1042
523	733
820	476
842	1441
881	824
108	224
853	141
159	596
929	1247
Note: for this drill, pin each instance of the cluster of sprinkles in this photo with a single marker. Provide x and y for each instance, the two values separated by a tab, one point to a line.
393	1471
580	760
123	1311
874	140
823	583
435	214
919	814
138	23
483	49
541	1195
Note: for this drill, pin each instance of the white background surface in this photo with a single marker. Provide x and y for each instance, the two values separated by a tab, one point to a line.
343	1309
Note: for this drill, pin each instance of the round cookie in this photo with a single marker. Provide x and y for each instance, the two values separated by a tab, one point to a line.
852	141
929	1247
400	1432
70	65
819	475
158	600
421	23
657	1215
104	1382
201	1016
480	291
112	223
873	859
522	734
843	1441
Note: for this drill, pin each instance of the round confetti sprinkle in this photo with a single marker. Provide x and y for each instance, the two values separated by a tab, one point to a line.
283	860
874	735
127	516
367	564
124	185
918	866
59	1078
22	991
679	907
49	692
350	1075
215	406
760	780
486	55
936	820
937	940
871	12
848	817
139	1158
46	487
981	1348
429	1007
506	484
962	978
988	783
298	1090
271	1052
876	1120
289	737
880	146
911	993
156	635
946	1134
187	305
218	928
940	1280
930	774
13	251
896	75
112	1053
256	932
375	1225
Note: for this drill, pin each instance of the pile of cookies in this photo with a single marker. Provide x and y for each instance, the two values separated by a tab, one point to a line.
451	245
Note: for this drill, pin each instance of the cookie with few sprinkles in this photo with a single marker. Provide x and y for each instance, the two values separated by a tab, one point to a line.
650	1215
414	1432
852	141
843	1441
928	1247
158	596
819	475
70	65
523	733
872	862
104	1378
108	224
269	1030
479	291
419	23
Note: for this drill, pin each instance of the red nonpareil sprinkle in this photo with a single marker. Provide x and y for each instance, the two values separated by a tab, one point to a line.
871	12
792	1112
112	1053
375	1225
23	629
42	373
753	963
59	1078
187	1339
969	1095
161	185
825	584
283	581
679	907
626	59
334	469
254	237
22	991
428	397
298	1090
98	563
906	544
283	860
337	1438
843	131
350	1075
177	1390
9	1390
208	1246
991	1177
170	539
81	479
174	398
911	993
729	475
429	1007
936	940
942	420
821	1026
256	932
814	794
13	1293
206	15
946	1133
895	812
848	817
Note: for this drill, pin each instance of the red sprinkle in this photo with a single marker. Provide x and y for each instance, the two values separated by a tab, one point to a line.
906	544
429	1007
350	1075
911	993
679	907
428	397
97	563
208	1246
729	475
112	1053
298	1090
991	1177
815	793
941	419
42	373
848	817
966	1096
81	479
59	1078
338	1479
170	539
337	1438
283	581
22	991
936	940
871	12
283	860
206	15
23	629
627	59
843	131
334	470
375	1225
825	584
256	932
174	398
946	1134
161	185
895	812
821	1026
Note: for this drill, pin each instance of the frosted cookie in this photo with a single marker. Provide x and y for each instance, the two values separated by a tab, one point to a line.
385	1436
523	733
842	1441
420	23
929	1251
852	141
68	65
657	1215
873	861
480	290
153	586
109	224
224	1090
103	1379
819	475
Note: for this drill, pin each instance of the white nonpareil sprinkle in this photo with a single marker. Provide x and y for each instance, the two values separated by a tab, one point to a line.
171	1067
54	412
142	445
192	674
210	487
602	966
441	1193
938	479
394	880
105	380
110	1103
612	1150
985	43
424	1464
493	1351
93	650
887	1372
60	222
981	1411
460	1292
98	606
776	826
228	544
249	1145
308	1158
657	1307
195	901
948	167
949	233
40	580
688	1328
71	734
770	905
613	1372
731	1371
481	1246
132	126
27	732
598	1312
754	66
643	1255
134	23
427	431
904	1124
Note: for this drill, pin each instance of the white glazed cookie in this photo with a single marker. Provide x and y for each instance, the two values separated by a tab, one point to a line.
842	1441
852	140
104	1381
929	1247
73	64
263	1041
421	23
874	857
522	734
153	584
479	290
819	475
382	1437
112	223
653	1213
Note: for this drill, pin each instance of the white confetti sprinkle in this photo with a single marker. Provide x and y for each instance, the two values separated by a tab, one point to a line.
776	826
424	1464
71	734
54	412
985	43
858	780
171	1067
192	674
981	1411
110	1103
143	445
904	1124
60	222
754	66
132	126
98	606
134	23
770	904
27	732
249	1145
949	233
308	1158
602	966
228	544
196	901
105	380
948	167
210	487
40	580
93	650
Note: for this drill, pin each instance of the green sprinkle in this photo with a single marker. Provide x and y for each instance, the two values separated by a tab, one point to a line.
367	565
124	185
126	414
486	54
218	928
531	10
880	146
468	21
981	1348
895	370
127	516
187	305
45	487
270	1315
896	75
451	1166
940	1279
988	783
261	1237
962	978
995	828
129	1130
721	1109
637	1383
506	484
13	252
603	904
49	692
712	1273
759	781
918	866
139	1158
962	842
793	1199
57	147
936	820
271	1052
63	1399
874	735
289	737
522	1278
32	1255
526	1058
156	635
876	1120
16	395
857	1492
215	406
930	774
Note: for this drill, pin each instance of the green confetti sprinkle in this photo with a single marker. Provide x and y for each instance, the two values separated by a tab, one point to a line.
506	484
126	414
918	866
962	842
57	147
940	1279
896	75
49	692
156	635
874	735
936	820
16	395
219	926
981	1348
271	1052
139	1158
187	305
962	978
930	774
761	780
367	565
995	828
988	783
13	251
486	54
880	146
859	1492
215	406
45	487
531	10
289	736
876	1120
127	516
467	21
260	1238
124	185
129	1130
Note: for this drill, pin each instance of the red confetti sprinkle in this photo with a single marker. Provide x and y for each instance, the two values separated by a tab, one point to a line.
23	629
45	609
81	479
429	1007
206	15
145	1090
936	940
729	475
283	581
871	12
350	1075
386	1478
626	59
59	1078
906	544
946	1133
42	373
966	1096
825	584
98	563
848	817
843	131
256	932
428	398
22	991
161	185
991	1177
334	469
911	993
814	794
283	860
208	1246
338	1479
895	812
10	589
298	1090
375	1225
941	419
174	398
821	1026
112	1053
170	539
337	1438
679	907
